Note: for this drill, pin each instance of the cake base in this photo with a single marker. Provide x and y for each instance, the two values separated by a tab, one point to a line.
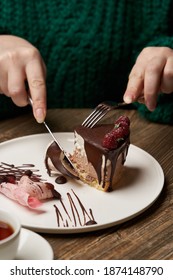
93	180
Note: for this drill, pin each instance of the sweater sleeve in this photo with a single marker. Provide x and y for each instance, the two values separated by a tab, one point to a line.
162	41
4	30
163	112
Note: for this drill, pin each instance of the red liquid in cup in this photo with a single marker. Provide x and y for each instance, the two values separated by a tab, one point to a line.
5	230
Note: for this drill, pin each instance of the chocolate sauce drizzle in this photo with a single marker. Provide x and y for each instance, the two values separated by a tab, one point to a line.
20	170
78	214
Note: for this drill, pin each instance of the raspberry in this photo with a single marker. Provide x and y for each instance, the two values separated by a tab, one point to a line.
118	133
109	141
11	179
125	128
122	119
124	123
115	137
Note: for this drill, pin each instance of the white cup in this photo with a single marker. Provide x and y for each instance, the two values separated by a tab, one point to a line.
9	245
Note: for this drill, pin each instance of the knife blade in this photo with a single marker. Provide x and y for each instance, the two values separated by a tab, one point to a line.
66	157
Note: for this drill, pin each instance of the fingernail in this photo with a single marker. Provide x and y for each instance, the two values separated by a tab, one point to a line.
151	106
39	114
128	99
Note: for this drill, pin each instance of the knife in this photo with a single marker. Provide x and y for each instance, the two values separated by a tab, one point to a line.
66	158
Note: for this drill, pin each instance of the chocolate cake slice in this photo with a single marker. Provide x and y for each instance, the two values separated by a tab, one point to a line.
98	156
100	153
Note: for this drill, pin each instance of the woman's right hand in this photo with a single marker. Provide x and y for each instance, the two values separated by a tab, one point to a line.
20	61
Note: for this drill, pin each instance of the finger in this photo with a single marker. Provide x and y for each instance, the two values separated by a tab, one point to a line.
141	98
135	85
152	81
4	84
167	77
37	86
16	86
4	90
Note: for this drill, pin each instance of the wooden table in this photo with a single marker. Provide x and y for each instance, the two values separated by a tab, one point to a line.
149	235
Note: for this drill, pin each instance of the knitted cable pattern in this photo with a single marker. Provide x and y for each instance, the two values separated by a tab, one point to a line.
89	47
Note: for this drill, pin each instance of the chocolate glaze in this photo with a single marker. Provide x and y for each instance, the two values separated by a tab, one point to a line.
94	150
56	156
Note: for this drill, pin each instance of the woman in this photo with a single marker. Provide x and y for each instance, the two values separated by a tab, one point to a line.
89	49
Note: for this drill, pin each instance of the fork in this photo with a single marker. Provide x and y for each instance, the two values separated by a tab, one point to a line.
100	111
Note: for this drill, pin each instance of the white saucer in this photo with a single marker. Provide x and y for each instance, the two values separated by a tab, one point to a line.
33	246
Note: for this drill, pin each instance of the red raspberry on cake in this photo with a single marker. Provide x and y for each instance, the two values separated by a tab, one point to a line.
110	141
122	120
123	130
115	137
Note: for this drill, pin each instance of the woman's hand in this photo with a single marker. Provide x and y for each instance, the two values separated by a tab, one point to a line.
20	62
151	74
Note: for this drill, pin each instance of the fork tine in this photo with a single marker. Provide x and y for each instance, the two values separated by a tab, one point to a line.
98	117
99	112
93	113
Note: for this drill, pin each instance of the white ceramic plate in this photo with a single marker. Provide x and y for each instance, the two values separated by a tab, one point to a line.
139	188
32	246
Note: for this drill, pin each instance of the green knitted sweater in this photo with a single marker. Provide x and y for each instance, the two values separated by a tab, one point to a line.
89	47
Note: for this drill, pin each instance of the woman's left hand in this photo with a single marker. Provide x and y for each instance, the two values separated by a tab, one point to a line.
151	74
